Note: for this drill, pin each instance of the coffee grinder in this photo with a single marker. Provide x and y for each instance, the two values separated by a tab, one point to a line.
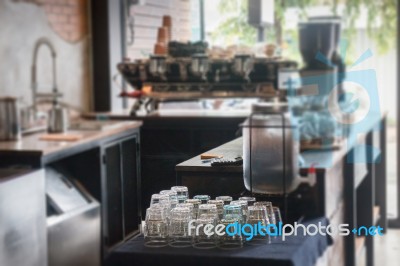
323	68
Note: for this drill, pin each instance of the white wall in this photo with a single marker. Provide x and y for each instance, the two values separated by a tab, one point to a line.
21	24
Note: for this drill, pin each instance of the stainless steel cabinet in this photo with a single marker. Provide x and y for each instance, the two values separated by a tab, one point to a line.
22	218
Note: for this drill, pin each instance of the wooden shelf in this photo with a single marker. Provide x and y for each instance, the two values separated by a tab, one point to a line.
376	214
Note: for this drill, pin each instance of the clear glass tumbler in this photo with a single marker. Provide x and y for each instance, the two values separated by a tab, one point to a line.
203	198
196	203
173	197
226	199
269	208
157	198
230	241
220	207
156	227
191	208
277	214
182	192
257	215
208	210
243	205
203	239
250	200
233	212
179	235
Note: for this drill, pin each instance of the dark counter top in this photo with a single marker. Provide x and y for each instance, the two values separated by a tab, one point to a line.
323	158
234	148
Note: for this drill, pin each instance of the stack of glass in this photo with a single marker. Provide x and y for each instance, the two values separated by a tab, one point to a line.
174	219
182	193
220	207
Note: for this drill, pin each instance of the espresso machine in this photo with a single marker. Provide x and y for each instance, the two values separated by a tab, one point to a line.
197	75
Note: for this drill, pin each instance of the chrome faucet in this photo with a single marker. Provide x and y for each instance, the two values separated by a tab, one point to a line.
35	94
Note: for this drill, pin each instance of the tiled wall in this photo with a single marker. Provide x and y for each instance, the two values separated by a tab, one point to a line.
148	18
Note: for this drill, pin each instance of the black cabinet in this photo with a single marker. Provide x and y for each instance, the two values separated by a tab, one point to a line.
121	211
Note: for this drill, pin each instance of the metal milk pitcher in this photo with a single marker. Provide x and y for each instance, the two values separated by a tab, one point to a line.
10	128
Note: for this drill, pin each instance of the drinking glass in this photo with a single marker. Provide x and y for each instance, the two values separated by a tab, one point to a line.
277	214
250	200
179	227
226	199
164	201
269	208
243	205
230	242
233	213
257	215
157	198
201	239
191	208
172	197
181	198
181	191
203	198
196	203
220	207
156	227
208	210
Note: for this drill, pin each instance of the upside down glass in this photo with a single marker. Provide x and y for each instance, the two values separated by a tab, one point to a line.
182	193
179	235
220	207
157	198
156	227
209	210
243	205
191	208
277	215
232	241
201	239
173	197
269	208
256	215
226	199
196	203
233	213
250	200
203	198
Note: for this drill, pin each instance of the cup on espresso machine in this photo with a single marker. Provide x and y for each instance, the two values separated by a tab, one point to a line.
200	65
158	66
243	65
